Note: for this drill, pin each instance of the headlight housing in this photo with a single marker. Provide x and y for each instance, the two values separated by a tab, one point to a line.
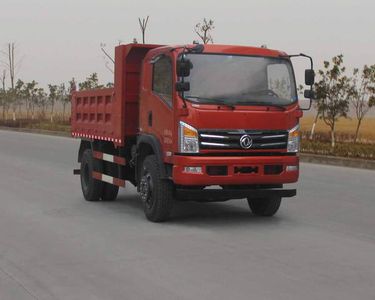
188	139
294	139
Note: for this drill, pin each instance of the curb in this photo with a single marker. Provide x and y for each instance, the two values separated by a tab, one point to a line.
304	157
337	161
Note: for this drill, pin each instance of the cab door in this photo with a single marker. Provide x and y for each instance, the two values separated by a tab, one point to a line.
157	109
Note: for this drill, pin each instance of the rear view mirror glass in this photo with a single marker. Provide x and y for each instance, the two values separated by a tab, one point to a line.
309	77
183	67
309	94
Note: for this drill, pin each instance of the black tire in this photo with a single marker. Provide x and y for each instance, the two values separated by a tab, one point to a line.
110	191
156	193
91	188
264	207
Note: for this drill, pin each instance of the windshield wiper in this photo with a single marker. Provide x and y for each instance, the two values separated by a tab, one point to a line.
211	101
263	103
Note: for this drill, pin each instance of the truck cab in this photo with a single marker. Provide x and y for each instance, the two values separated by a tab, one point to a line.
203	123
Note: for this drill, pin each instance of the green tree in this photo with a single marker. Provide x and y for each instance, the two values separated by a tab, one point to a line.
30	91
91	82
315	105
42	101
34	102
52	97
203	30
333	91
64	97
17	99
362	94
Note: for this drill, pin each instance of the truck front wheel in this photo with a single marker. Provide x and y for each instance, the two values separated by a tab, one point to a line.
265	207
156	192
91	188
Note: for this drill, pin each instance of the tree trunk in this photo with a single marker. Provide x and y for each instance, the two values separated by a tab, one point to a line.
64	106
314	125
357	130
27	109
333	137
52	109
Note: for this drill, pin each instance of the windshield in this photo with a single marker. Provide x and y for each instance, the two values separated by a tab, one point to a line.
241	80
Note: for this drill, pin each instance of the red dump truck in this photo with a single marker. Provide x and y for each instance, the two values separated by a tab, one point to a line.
192	122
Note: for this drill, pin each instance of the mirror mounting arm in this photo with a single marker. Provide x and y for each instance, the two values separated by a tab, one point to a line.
303	55
182	85
183	81
310	92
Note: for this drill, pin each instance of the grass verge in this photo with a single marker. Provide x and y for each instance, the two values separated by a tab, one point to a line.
37	124
350	150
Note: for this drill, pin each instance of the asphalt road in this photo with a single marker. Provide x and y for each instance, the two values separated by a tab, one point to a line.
54	245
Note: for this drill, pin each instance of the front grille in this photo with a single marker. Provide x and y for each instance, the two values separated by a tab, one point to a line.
230	139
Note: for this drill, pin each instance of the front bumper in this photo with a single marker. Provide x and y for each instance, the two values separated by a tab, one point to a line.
258	165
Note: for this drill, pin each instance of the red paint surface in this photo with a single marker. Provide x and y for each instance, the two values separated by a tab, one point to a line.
119	113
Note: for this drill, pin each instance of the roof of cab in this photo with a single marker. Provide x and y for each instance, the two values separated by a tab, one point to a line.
238	50
215	48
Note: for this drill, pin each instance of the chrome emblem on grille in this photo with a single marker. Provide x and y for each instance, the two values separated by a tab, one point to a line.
246	141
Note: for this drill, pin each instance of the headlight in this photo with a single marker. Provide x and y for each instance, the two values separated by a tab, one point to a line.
188	139
293	140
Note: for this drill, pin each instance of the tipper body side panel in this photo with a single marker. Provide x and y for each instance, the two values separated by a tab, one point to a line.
112	114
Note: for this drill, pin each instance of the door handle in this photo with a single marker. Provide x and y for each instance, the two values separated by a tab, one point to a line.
149	118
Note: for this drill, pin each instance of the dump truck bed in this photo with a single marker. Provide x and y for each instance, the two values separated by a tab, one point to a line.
112	114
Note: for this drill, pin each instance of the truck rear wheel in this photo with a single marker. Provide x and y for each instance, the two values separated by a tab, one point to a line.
91	188
109	192
156	193
265	207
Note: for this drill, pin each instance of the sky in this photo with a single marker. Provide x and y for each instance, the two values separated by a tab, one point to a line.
58	40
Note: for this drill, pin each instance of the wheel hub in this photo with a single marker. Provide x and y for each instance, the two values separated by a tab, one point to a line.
145	189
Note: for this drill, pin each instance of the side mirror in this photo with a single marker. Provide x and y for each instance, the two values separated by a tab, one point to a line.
309	77
182	86
309	94
184	67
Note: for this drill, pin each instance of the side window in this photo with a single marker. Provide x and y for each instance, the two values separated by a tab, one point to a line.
162	79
